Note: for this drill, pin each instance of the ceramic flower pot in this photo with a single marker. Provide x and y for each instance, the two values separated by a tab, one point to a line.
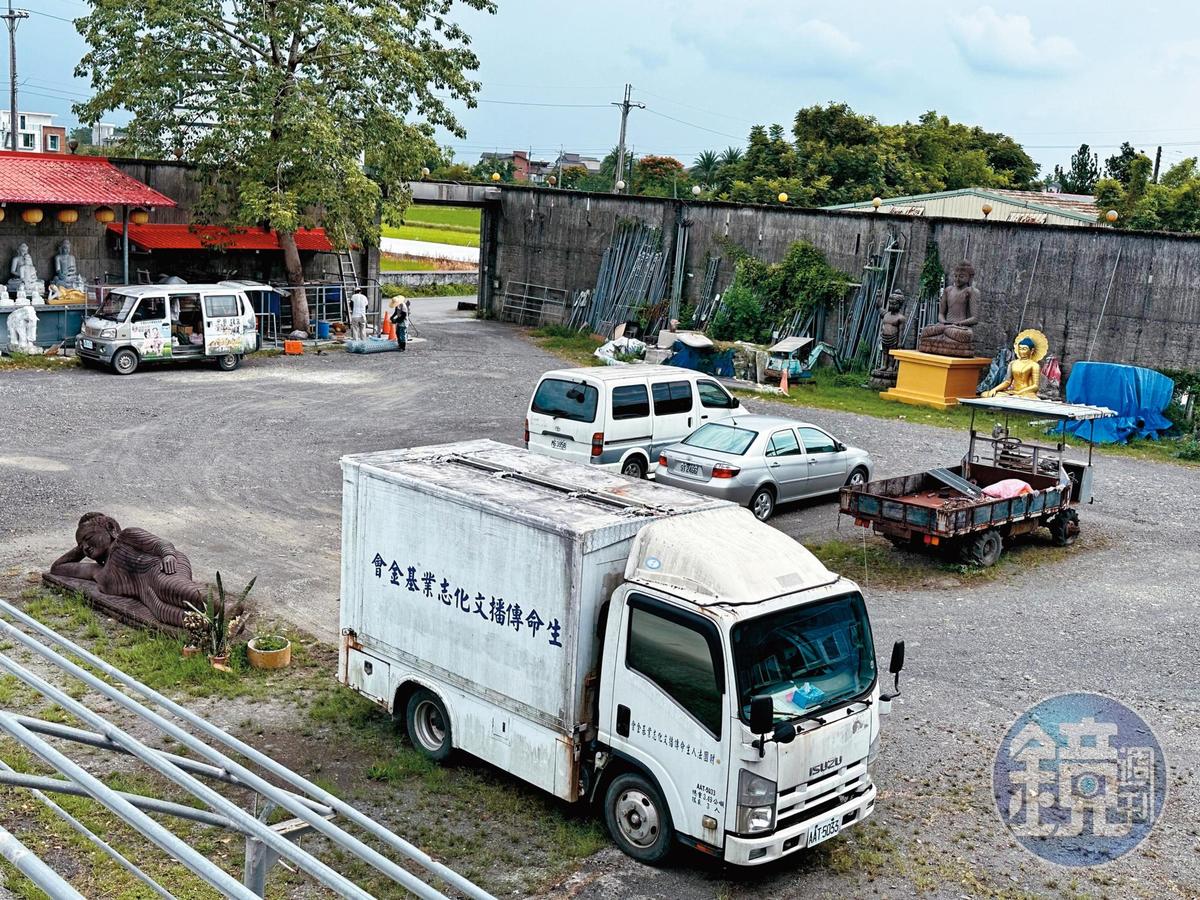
268	659
189	652
220	662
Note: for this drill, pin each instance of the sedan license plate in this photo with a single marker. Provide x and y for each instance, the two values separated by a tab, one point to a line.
689	469
558	444
823	831
88	345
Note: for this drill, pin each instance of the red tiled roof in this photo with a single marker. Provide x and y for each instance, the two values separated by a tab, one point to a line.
66	180
215	237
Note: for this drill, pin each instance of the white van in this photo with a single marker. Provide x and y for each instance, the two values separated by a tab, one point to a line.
168	323
606	417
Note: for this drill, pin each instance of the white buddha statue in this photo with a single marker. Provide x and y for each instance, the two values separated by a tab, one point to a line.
65	272
23	271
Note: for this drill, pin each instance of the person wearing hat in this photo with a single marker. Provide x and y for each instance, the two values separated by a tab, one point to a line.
399	320
1024	372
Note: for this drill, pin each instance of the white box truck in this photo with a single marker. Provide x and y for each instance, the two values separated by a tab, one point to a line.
697	673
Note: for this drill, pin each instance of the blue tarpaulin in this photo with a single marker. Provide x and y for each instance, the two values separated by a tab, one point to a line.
1137	395
711	362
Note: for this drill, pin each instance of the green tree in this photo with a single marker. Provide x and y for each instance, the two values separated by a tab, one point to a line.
660	176
485	168
1117	165
281	102
573	176
1081	178
705	168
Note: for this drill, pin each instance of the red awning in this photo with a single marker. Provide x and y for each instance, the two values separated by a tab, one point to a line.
66	180
213	237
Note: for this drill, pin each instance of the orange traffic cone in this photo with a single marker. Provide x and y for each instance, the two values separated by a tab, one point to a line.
783	383
386	326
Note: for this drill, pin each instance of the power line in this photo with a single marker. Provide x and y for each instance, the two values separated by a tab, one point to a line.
38	12
707	112
694	125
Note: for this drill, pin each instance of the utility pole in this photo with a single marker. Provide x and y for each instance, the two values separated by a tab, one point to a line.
12	18
1157	163
625	105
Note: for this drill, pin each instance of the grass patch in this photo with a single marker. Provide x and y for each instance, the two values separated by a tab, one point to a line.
432	235
456	216
27	361
578	347
390	263
157	660
846	394
876	563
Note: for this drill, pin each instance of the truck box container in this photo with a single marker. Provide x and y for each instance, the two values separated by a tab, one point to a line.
481	569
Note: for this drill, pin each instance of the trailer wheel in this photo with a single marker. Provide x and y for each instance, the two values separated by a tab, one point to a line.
429	725
1064	528
982	549
637	818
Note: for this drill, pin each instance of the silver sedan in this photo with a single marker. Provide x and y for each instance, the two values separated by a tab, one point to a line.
762	461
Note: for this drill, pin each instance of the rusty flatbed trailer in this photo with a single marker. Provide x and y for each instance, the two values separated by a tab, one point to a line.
946	507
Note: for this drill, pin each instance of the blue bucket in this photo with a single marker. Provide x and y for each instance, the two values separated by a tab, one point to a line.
322	331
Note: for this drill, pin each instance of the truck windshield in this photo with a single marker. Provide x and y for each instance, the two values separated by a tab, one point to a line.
566	400
115	306
806	659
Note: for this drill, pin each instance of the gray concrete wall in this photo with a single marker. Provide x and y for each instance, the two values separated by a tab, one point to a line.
1152	318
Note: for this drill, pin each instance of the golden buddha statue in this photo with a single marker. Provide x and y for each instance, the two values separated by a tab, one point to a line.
1024	372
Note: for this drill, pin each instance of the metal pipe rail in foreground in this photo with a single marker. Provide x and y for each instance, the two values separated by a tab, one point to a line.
31	866
281	797
108	850
339	806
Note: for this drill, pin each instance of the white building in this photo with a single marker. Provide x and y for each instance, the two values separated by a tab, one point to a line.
996	204
103	134
36	133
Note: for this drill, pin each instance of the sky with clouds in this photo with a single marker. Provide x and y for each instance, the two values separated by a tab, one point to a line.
1052	74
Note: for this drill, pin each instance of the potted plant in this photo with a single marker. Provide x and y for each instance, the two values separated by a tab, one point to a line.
195	623
218	627
269	651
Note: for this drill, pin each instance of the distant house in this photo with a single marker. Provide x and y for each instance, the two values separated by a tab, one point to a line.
566	160
518	159
36	133
1037	207
103	134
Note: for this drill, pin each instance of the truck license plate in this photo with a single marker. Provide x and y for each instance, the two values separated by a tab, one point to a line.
689	468
823	831
558	444
88	345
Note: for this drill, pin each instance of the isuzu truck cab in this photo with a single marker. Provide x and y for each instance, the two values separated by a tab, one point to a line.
699	675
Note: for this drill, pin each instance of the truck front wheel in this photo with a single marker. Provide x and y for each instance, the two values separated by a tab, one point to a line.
429	725
638	818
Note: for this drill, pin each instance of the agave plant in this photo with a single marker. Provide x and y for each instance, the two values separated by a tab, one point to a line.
218	627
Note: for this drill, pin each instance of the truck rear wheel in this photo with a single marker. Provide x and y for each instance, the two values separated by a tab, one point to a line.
982	549
1064	528
637	818
429	725
228	362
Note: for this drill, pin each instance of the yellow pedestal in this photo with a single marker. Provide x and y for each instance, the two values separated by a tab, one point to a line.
925	379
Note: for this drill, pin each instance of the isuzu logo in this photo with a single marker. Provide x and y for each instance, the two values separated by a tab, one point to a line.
825	766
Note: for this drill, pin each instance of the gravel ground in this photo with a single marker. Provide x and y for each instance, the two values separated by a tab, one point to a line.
240	471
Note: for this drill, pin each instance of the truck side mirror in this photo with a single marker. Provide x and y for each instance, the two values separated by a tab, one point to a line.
894	667
762	714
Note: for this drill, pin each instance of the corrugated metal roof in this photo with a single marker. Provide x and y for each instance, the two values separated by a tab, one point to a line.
66	180
1070	206
1051	409
213	237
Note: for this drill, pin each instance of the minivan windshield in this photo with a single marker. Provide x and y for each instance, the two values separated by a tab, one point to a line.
807	658
566	400
115	306
722	438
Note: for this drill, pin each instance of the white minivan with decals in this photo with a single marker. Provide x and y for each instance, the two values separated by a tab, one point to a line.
168	323
620	417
